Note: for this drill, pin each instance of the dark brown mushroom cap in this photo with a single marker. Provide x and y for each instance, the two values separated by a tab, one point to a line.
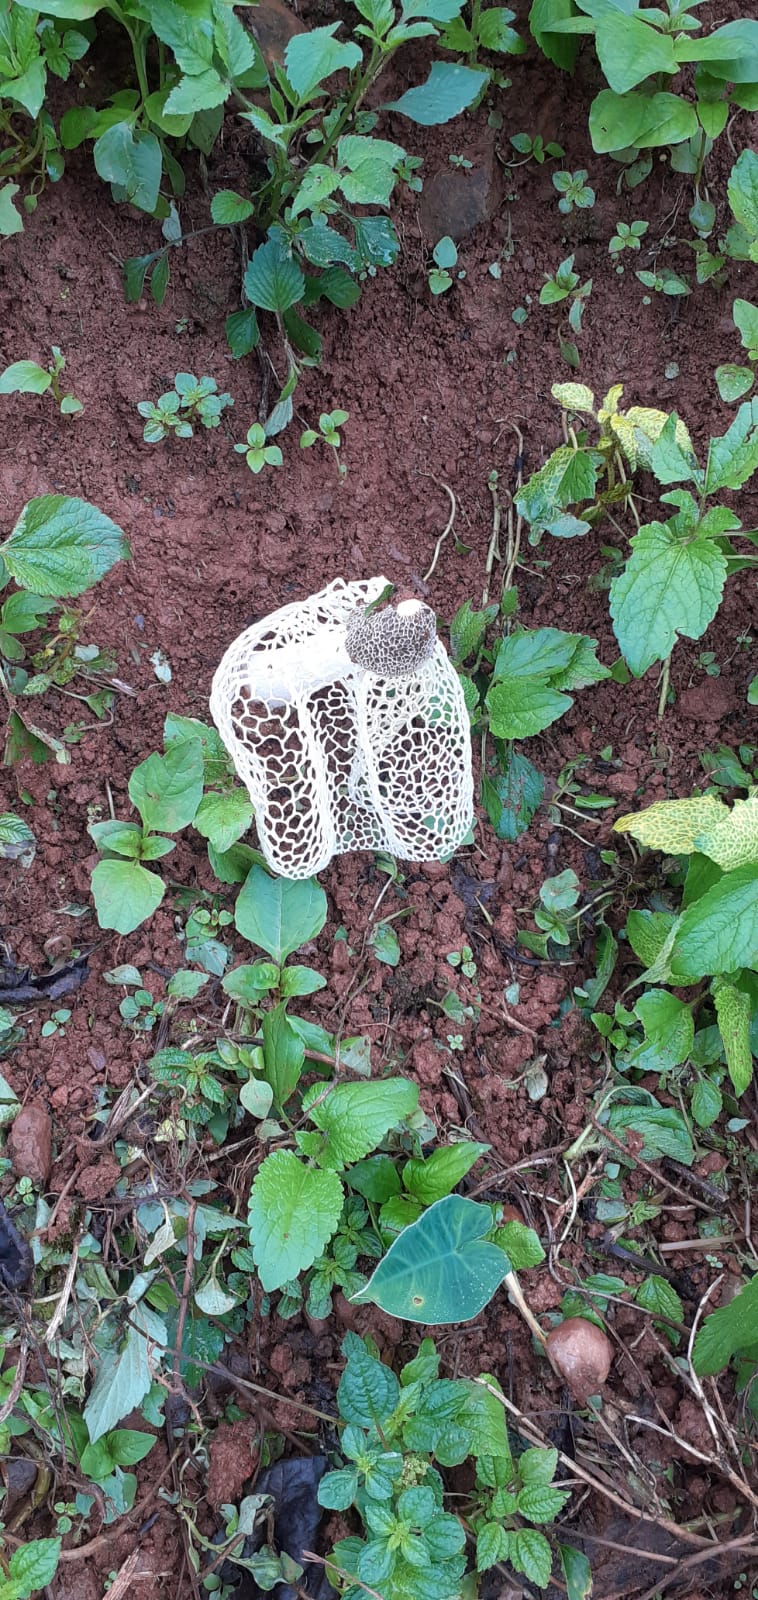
392	643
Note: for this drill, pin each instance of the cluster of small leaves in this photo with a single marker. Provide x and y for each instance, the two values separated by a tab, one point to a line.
535	149
27	377
574	190
628	236
398	1431
642	52
191	401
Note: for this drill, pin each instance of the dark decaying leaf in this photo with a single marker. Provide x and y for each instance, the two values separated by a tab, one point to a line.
293	1486
19	986
16	1262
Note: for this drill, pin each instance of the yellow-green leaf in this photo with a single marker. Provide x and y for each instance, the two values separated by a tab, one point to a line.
733	840
574	397
676	826
733	1016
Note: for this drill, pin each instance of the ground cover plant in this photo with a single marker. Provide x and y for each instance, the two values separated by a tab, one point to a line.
387	1231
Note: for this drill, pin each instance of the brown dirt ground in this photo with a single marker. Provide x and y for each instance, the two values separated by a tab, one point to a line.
432	401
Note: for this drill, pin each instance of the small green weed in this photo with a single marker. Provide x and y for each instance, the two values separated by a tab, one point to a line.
26	377
192	401
574	190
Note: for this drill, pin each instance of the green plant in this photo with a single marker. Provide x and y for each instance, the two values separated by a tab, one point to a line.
30	47
642	52
664	281
398	1432
30	1568
59	547
55	1027
191	401
257	453
673	579
485	28
26	377
565	285
574	191
628	236
709	940
734	381
329	424
535	149
445	257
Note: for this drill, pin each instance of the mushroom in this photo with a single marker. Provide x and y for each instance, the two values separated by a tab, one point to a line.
349	729
581	1354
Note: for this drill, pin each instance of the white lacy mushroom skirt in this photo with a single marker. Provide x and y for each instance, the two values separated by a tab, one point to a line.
333	758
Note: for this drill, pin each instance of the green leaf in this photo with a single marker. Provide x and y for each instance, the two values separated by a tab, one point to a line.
293	1213
674	825
167	790
10	220
743	191
435	1176
731	838
520	1244
356	1116
24	377
467	630
250	983
448	90
733	381
669	586
223	818
576	1571
440	1269
242	332
530	1553
17	842
31	1568
669	1031
61	546
746	320
385	944
731	1328
541	1503
313	56
228	207
706	1102
279	914
733	1016
619	121
733	458
273	280
512	796
284	1055
647	932
657	1295
719	932
491	1546
201	92
132	162
663	1130
524	706
124	1373
368	1391
376	1179
629	50
125	894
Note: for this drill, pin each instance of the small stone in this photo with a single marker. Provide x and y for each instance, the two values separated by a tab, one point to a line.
30	1143
455	201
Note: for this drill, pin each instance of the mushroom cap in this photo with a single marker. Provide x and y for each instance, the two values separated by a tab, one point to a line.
392	643
581	1354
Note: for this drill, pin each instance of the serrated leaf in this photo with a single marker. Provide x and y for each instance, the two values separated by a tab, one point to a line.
385	944
732	839
313	56
228	207
273	280
733	458
574	397
491	1546
124	1373
669	586
662	1129
435	1176
293	1213
658	1296
541	1503
356	1116
731	1328
568	478
131	161
167	790
224	817
706	1102
523	706
368	1390
31	1568
125	894
530	1553
279	914
440	1269
448	90
733	1017
647	932
17	842
674	825
719	932
520	1244
60	546
242	332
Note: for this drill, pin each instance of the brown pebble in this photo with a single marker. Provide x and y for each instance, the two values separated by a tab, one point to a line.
30	1143
581	1354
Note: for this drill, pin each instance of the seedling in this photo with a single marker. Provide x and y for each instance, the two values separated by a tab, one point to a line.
565	285
534	149
574	191
664	281
734	381
191	401
628	236
258	454
55	1027
26	377
445	256
329	424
